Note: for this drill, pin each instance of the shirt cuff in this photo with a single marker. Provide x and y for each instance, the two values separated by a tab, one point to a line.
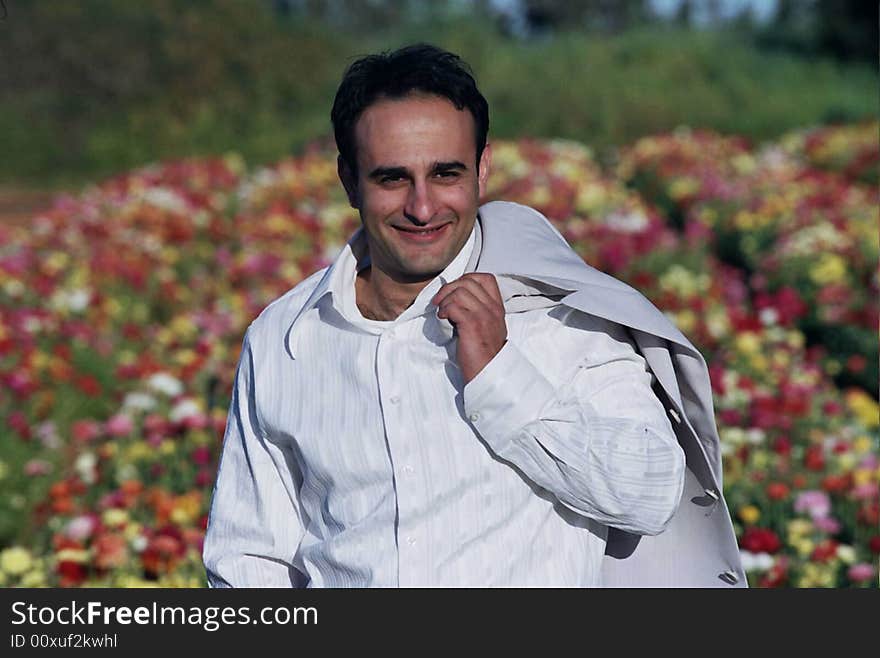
505	396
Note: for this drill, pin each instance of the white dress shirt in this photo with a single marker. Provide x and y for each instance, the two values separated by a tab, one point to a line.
355	456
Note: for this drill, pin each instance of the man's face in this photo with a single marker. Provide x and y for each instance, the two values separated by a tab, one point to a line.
418	185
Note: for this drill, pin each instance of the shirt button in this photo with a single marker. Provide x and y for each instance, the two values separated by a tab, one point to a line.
394	399
409	470
390	333
411	541
474	417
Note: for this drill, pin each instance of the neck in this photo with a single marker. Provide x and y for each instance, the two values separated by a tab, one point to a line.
379	297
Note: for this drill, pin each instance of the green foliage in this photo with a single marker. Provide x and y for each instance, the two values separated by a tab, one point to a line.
101	86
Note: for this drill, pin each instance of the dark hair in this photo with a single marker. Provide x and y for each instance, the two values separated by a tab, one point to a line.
419	68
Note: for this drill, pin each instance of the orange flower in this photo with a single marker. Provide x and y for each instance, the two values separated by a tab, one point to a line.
110	551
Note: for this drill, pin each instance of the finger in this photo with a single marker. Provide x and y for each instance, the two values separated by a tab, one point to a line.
477	288
460	304
489	283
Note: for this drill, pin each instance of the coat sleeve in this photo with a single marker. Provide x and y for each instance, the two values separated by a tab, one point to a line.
255	525
600	442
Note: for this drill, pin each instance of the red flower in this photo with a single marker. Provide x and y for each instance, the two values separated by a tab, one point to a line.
777	576
84	431
777	491
825	551
782	446
814	460
72	574
836	483
874	544
760	540
88	385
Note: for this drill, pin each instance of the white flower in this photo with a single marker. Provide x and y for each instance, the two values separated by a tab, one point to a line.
166	199
142	401
80	527
627	222
755	436
756	561
184	409
139	543
846	553
768	316
85	467
78	300
164	383
48	435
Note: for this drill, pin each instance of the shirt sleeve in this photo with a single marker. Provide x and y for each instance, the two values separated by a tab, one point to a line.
601	442
254	526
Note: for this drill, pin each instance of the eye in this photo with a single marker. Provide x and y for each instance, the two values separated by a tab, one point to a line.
391	178
451	173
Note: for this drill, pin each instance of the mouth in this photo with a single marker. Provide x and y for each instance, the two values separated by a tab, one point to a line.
421	234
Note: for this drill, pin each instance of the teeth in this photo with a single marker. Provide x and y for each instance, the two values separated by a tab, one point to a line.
430	230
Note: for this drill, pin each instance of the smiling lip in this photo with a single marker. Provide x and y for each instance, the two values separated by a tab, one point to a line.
422	234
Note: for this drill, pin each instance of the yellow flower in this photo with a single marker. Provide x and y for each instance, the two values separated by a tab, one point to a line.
798	528
748	342
862	476
682	187
115	517
170	254
864	406
862	444
137	451
167	447
34	579
112	307
185	357
132	530
686	320
72	555
831	268
749	514
15	560
183	326
803	546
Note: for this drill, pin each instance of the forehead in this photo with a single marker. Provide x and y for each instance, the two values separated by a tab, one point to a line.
425	125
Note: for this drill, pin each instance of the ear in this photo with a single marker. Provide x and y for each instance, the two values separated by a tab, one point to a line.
485	167
349	182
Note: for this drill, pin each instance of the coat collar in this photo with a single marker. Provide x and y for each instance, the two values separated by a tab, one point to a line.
519	242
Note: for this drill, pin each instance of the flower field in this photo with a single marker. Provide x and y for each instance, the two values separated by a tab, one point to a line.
122	311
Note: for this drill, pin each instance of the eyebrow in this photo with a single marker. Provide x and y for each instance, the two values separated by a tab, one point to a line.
402	172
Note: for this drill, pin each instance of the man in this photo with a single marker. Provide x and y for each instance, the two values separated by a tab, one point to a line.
427	411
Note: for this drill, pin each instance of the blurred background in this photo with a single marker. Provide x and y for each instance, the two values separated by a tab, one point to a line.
169	169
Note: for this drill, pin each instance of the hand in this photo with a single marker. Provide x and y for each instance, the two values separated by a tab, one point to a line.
473	304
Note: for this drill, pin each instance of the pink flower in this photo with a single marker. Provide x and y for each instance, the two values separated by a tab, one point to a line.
828	524
859	573
81	527
815	503
37	467
866	491
119	425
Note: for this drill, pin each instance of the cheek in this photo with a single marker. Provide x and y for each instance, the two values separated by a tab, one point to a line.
384	204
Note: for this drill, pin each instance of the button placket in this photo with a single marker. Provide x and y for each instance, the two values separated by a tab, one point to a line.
401	433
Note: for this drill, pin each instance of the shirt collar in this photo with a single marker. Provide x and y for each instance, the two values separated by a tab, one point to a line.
338	283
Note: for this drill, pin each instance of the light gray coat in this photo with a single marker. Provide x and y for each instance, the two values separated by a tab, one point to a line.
531	260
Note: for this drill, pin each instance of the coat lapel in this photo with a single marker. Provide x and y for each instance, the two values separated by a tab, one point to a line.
698	549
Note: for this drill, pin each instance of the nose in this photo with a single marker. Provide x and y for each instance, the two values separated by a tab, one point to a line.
420	205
